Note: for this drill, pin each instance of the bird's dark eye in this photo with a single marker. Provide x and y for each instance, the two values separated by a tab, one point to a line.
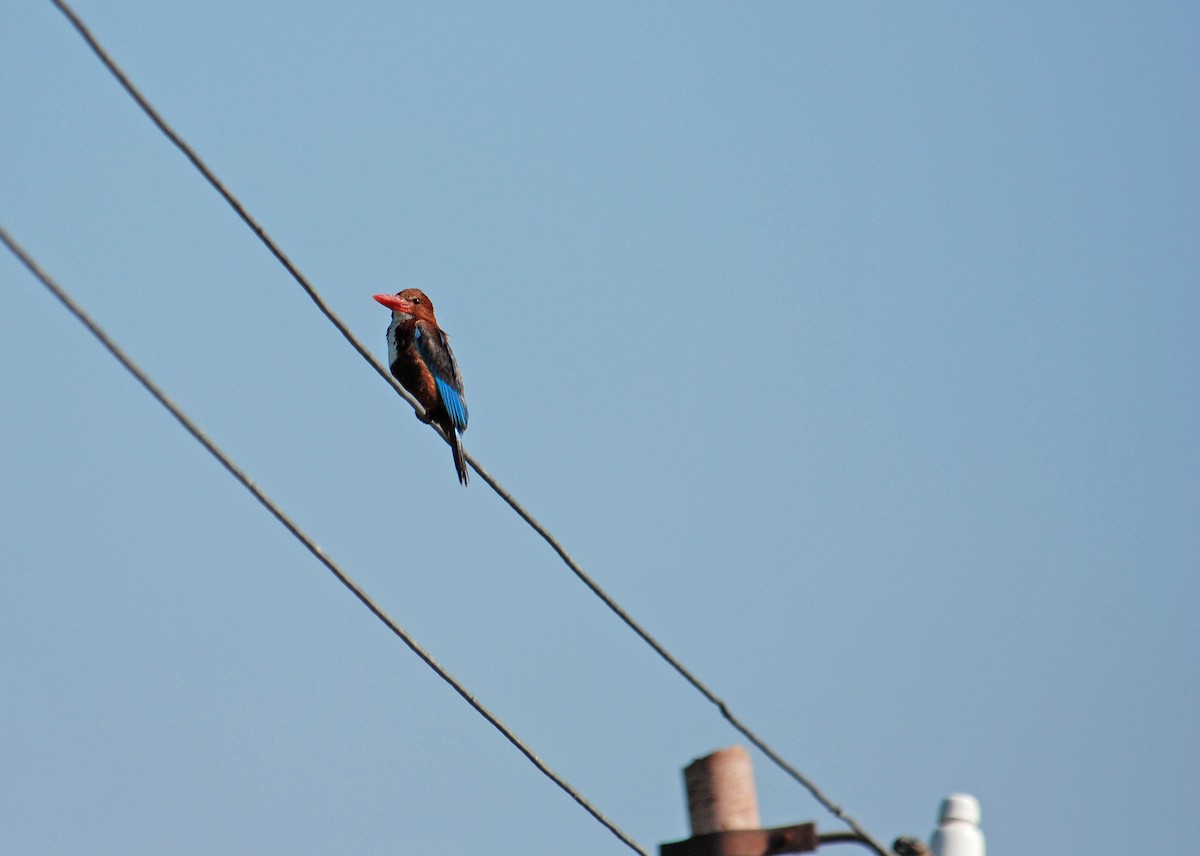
416	300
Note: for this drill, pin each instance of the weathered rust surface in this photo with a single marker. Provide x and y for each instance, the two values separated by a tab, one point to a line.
801	838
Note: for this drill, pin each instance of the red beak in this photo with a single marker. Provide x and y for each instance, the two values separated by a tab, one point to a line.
395	303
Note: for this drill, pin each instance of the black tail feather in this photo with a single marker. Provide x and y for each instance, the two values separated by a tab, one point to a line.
460	457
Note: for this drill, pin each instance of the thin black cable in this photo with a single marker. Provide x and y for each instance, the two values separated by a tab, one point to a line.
834	809
299	534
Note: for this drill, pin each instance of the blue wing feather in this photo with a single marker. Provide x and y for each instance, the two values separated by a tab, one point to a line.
435	352
453	402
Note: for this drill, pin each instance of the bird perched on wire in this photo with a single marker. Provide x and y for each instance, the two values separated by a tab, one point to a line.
419	356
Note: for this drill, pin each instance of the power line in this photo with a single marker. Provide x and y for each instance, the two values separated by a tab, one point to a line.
805	782
312	547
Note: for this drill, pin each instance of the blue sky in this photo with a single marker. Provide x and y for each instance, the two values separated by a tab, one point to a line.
850	346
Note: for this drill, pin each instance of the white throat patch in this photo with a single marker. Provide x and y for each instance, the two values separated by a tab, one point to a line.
393	348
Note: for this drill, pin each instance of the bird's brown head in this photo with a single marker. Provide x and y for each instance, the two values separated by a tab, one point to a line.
411	302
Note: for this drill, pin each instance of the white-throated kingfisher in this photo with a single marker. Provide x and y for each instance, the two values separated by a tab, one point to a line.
419	356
